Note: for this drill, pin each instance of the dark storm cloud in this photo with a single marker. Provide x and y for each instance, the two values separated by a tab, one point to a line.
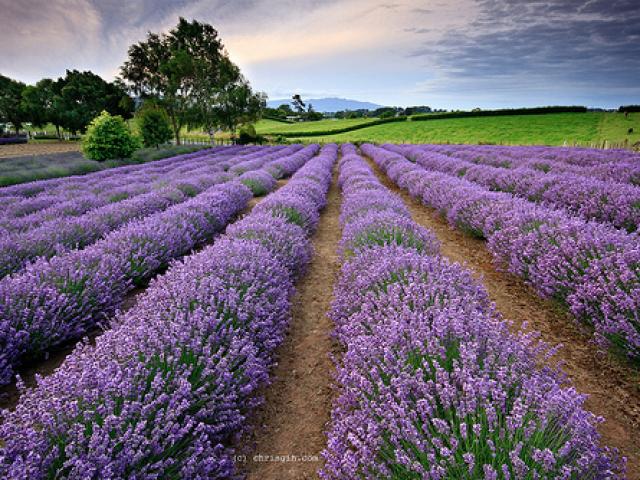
558	43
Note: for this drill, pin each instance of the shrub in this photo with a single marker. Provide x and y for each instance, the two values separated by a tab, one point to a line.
154	126
248	135
108	138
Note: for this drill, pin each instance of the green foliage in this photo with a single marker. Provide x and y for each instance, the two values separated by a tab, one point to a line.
313	129
503	112
154	126
37	101
256	187
81	96
11	108
108	138
586	129
247	134
188	72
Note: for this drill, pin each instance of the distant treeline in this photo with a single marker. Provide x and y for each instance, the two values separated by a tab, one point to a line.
629	108
501	112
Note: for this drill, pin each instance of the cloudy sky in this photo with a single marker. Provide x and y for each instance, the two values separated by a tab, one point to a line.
447	54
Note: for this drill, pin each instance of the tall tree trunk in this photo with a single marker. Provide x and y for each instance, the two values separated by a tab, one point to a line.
58	132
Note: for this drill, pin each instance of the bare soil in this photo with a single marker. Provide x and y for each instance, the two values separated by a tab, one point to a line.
612	386
288	430
39	148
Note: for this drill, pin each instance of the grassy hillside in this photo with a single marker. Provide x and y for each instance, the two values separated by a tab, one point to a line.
271	127
548	129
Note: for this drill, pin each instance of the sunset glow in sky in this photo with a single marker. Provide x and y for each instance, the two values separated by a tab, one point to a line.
447	54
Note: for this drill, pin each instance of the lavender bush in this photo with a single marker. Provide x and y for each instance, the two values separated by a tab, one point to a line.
432	383
563	257
167	389
589	198
57	300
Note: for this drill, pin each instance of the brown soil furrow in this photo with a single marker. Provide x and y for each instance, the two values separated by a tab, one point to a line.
613	387
288	433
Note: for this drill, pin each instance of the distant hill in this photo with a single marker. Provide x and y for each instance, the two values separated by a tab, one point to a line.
332	104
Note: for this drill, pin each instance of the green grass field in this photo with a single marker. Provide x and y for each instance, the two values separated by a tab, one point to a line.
583	129
549	129
271	127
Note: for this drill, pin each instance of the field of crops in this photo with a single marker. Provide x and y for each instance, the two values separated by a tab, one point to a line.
335	312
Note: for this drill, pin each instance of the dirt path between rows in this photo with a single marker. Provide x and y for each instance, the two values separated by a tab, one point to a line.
613	388
289	428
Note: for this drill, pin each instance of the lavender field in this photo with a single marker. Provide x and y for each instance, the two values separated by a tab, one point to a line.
472	313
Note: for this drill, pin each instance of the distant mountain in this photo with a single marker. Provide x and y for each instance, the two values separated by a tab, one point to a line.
332	104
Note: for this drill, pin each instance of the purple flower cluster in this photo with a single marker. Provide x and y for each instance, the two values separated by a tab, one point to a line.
620	166
590	267
432	383
57	300
373	216
167	389
54	236
73	198
264	180
165	187
256	159
586	197
260	182
110	178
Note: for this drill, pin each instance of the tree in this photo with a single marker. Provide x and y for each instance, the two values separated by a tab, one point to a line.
108	138
297	103
42	103
154	126
180	70
226	105
312	115
83	95
286	109
11	108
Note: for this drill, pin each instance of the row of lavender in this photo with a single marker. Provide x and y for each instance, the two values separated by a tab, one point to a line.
53	197
95	179
165	392
78	231
620	166
74	198
432	384
591	268
589	198
54	301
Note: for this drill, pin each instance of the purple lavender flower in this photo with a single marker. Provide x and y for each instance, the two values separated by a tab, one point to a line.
432	383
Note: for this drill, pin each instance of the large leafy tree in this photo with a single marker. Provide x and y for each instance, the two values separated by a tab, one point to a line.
188	72
43	104
228	104
81	96
11	108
